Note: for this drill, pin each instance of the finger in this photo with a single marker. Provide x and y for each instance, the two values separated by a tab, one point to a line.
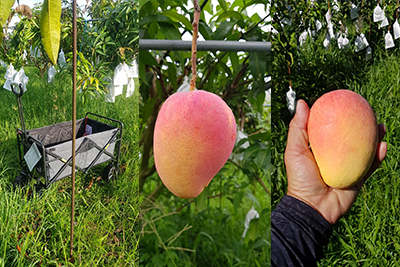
380	153
382	131
379	157
297	138
301	117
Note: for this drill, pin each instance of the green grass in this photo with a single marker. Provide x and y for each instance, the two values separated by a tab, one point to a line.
369	234
36	231
207	232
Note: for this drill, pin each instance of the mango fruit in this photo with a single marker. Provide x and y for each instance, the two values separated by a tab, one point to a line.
343	135
194	136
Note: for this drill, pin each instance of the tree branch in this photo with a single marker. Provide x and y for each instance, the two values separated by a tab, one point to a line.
258	179
263	185
193	200
149	172
254	26
211	69
147	145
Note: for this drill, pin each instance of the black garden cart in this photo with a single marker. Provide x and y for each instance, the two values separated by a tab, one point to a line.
46	153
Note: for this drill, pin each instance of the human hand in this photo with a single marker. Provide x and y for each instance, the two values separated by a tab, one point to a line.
304	180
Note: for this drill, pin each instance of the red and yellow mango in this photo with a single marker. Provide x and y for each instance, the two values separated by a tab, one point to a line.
343	136
194	136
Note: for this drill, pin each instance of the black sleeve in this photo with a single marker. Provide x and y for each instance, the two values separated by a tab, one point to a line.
298	234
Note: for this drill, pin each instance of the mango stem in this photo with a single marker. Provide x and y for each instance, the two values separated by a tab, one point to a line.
194	43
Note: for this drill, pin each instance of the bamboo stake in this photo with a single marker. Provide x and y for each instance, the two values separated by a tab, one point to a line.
74	47
195	24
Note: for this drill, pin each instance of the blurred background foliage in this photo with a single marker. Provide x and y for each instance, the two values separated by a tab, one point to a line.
109	37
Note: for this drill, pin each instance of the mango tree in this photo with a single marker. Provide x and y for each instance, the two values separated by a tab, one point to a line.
239	78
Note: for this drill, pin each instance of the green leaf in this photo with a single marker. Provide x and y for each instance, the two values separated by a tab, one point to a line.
223	30
231	15
234	60
253	231
249	195
146	58
257	155
260	101
237	199
265	136
262	242
258	68
222	3
172	74
142	3
205	30
170	31
50	28
201	200
242	141
5	9
263	159
153	29
208	7
158	18
173	15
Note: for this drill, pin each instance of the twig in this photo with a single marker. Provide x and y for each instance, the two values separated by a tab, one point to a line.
263	185
254	26
152	197
256	177
193	200
182	249
194	43
256	132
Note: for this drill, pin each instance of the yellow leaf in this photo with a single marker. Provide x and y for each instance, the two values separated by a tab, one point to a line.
50	28
5	10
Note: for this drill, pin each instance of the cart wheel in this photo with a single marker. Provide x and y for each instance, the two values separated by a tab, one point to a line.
20	181
109	173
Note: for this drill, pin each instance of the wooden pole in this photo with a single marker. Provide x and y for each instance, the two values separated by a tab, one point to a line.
74	47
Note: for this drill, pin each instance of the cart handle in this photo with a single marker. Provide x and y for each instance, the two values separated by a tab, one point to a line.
21	89
103	117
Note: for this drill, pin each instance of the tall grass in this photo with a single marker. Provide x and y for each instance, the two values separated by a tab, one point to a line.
36	231
369	235
177	233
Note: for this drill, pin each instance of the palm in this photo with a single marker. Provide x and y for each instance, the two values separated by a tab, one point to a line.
304	179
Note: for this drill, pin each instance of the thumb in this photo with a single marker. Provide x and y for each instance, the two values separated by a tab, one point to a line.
298	138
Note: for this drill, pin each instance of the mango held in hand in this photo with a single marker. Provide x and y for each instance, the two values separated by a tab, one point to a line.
343	135
193	138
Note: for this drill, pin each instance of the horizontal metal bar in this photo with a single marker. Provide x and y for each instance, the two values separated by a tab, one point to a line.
179	45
